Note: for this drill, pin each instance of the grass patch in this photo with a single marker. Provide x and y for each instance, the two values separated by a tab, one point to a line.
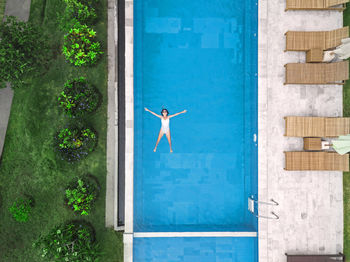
29	165
346	175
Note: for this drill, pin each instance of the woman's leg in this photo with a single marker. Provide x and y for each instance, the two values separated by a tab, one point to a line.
169	140
159	137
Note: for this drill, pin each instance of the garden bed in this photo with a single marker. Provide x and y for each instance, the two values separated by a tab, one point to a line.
29	162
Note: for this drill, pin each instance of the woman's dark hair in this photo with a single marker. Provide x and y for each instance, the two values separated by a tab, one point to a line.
167	112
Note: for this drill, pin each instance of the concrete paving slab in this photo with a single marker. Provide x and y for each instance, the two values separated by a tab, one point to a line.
311	203
18	8
6	96
112	128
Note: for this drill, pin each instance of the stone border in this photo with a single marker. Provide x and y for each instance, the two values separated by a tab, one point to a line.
128	240
195	234
6	97
262	127
113	188
112	129
129	131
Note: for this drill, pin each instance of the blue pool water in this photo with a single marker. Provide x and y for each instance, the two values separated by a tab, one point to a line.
190	249
200	56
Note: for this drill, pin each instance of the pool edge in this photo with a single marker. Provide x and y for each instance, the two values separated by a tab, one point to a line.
129	131
262	128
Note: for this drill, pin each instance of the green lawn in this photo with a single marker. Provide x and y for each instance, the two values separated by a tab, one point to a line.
29	165
346	176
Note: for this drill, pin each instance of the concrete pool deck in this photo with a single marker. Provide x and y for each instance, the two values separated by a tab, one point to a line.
310	203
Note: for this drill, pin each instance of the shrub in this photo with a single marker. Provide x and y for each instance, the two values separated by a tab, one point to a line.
79	98
75	143
74	241
24	49
82	11
81	194
21	208
79	46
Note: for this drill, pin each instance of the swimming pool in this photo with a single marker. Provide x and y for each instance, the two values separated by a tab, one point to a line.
200	56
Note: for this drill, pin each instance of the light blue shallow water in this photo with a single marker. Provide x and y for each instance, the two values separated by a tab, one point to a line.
224	249
201	56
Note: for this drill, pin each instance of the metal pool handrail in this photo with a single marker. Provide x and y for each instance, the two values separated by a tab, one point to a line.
251	208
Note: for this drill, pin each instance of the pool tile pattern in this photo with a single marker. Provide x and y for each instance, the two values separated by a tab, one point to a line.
199	57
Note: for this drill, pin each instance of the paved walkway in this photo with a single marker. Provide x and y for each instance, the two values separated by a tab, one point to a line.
114	191
20	9
311	203
6	95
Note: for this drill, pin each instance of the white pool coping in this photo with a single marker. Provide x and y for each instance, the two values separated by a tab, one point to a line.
129	131
262	134
195	234
129	118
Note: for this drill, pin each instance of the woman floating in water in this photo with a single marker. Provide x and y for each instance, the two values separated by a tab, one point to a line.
164	130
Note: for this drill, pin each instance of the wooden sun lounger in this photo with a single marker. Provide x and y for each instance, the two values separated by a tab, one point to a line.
317	73
307	40
304	126
322	161
316	258
337	5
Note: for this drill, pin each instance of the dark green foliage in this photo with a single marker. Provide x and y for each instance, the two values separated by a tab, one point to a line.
81	194
79	97
75	143
24	49
20	209
73	242
80	47
82	11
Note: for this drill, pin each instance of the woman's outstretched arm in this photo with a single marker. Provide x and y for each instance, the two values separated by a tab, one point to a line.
146	109
182	112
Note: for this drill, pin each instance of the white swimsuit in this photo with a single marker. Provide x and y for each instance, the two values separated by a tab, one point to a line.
165	125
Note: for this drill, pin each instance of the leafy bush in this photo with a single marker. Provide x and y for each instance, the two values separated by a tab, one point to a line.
24	49
21	208
81	194
74	242
79	46
79	98
75	143
82	11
